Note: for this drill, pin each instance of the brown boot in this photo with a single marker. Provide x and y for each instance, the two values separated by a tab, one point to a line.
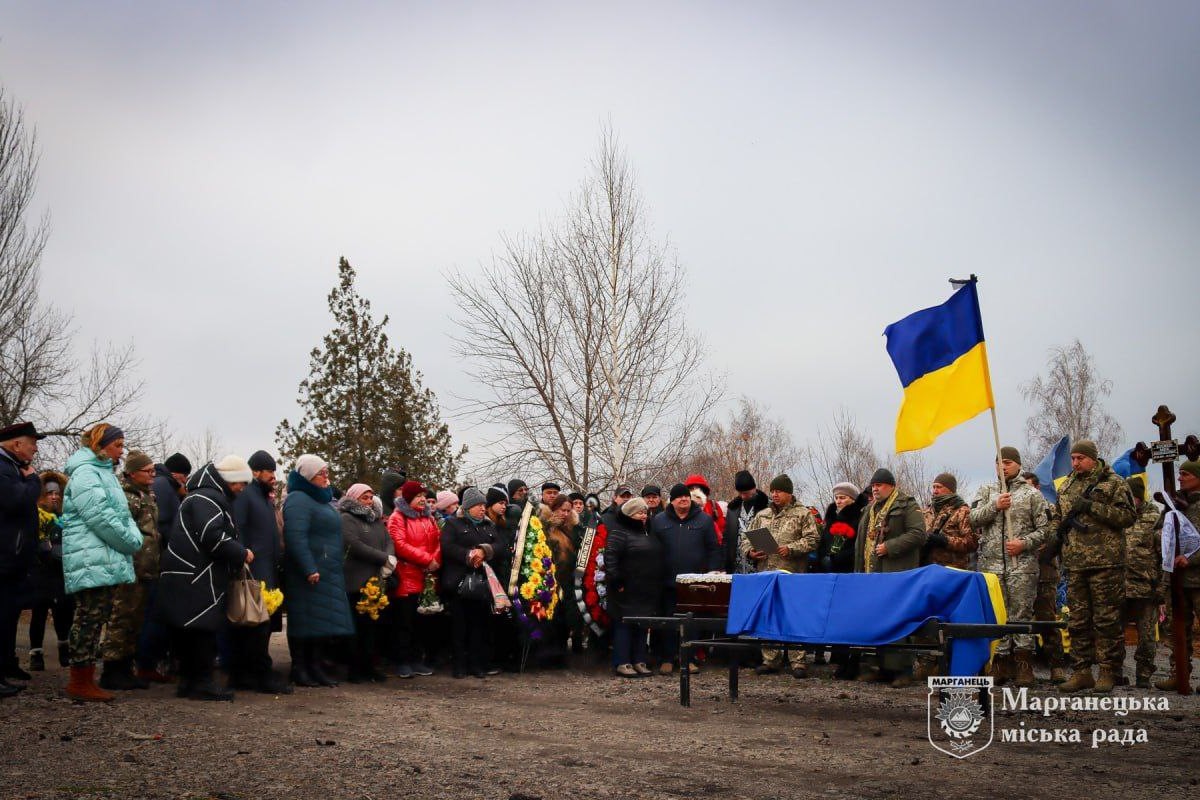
999	669
82	685
1057	674
1023	676
1167	684
1080	679
1107	679
923	669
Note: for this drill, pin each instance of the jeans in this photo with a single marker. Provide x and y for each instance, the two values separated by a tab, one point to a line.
629	644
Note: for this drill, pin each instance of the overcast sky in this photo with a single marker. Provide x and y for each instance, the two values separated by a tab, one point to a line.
821	169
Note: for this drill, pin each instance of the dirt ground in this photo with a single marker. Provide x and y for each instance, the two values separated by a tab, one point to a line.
578	733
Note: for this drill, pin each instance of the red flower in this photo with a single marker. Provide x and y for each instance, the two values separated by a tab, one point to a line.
841	529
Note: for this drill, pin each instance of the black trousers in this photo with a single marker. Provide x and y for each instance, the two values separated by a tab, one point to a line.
63	609
366	638
469	621
196	650
249	656
10	612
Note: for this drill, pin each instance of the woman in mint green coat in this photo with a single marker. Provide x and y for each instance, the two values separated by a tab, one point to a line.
99	540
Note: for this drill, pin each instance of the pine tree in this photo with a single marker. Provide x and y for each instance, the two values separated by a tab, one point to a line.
364	407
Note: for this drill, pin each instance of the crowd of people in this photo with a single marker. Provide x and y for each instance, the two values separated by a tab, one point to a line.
134	561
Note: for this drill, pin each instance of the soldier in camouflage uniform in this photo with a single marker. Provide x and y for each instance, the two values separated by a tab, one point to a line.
129	599
1186	500
1045	605
1013	525
1097	507
796	532
1143	577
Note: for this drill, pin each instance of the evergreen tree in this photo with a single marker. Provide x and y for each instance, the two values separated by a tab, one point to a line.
364	407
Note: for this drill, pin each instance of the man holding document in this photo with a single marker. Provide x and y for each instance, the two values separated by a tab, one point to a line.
794	533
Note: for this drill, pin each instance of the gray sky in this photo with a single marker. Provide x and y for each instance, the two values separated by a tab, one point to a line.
821	168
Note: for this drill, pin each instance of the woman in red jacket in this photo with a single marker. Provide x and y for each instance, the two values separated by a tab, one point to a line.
419	551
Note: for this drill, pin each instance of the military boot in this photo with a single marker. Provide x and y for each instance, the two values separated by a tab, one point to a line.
37	660
1143	680
1057	674
999	669
1107	678
118	677
1080	679
1167	684
1023	662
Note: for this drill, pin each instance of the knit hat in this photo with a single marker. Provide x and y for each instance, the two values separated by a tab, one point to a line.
357	490
410	489
1137	485
262	460
445	499
1010	454
494	495
633	506
782	483
1191	468
884	475
950	482
514	484
234	469
651	490
573	496
178	463
309	465
696	479
848	489
136	461
551	485
678	491
472	497
1086	447
744	482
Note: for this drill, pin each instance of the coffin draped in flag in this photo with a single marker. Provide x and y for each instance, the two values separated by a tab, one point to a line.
940	356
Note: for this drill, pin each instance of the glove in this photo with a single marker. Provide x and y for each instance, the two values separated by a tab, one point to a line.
1083	506
938	539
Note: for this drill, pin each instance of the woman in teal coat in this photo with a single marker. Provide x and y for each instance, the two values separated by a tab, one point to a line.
314	586
99	540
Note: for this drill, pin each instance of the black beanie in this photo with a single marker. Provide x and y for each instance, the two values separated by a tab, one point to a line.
782	483
514	484
495	495
260	461
884	475
678	491
178	463
744	482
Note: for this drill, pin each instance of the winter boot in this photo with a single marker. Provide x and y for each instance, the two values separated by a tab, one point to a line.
1057	674
923	669
208	690
1107	679
1022	659
1080	679
37	660
1167	684
998	669
117	677
82	685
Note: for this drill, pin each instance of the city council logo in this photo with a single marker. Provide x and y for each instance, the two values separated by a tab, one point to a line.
960	718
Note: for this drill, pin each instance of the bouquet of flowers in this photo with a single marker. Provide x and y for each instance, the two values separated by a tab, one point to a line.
591	593
372	599
430	603
842	533
272	598
536	596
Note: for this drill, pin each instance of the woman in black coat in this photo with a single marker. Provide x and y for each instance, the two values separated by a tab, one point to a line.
369	554
466	543
633	570
202	554
836	552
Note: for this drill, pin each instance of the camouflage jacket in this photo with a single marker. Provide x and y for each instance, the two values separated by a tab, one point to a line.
1100	544
144	510
902	530
793	527
1143	554
1028	519
954	522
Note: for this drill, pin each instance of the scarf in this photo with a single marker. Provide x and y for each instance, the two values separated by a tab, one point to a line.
946	500
878	514
298	483
352	506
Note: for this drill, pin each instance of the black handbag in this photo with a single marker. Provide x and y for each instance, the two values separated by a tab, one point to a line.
474	586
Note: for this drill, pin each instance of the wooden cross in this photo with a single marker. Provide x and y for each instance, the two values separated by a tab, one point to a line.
1182	657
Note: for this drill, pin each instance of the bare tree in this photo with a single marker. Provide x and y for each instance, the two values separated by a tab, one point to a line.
1068	402
842	452
912	475
40	379
592	374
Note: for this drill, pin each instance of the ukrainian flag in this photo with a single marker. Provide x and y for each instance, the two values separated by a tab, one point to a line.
942	360
1127	467
1054	469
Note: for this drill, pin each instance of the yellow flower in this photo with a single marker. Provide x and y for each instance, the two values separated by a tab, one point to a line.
528	591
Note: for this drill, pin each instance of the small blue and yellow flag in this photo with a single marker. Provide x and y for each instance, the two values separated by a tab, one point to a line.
1054	469
941	358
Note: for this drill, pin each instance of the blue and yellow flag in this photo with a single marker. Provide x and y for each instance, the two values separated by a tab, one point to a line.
1127	467
1054	469
942	360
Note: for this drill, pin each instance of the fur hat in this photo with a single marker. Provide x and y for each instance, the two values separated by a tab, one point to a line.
234	469
848	489
633	506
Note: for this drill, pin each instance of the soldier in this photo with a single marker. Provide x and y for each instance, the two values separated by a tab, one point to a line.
1143	577
950	541
1094	508
795	531
1045	605
1187	501
129	599
891	533
1012	525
